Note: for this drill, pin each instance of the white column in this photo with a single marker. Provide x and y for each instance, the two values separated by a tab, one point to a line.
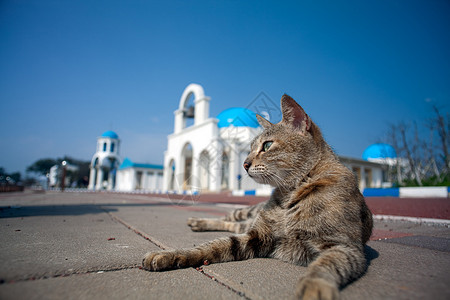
144	180
133	179
195	175
92	179
362	182
99	179
166	177
179	173
215	166
180	122
110	181
232	180
201	110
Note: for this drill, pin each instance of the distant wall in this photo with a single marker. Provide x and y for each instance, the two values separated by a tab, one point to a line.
409	192
11	188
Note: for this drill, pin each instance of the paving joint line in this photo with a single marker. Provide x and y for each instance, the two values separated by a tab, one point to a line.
241	294
73	273
138	232
165	247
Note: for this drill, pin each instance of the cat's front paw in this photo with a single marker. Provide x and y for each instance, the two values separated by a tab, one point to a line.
159	261
317	289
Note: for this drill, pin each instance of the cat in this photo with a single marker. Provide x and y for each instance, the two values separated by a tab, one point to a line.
315	217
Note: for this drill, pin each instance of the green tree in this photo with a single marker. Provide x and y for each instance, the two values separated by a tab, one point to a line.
16	176
423	153
42	166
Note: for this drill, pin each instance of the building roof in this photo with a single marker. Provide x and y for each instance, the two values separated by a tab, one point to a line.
110	134
379	151
238	117
127	163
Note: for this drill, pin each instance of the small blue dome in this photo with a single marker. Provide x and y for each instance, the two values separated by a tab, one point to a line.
238	117
377	151
110	134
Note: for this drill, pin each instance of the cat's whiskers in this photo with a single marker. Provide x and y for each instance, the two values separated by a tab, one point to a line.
279	181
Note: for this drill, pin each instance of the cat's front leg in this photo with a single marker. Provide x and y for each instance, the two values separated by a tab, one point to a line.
317	289
236	247
333	268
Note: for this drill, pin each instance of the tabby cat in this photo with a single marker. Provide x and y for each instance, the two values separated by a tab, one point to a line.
315	217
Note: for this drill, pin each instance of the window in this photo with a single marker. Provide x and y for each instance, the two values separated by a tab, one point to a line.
104	147
112	147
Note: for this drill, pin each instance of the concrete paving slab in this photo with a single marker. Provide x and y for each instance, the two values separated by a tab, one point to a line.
402	272
168	223
125	284
44	240
429	242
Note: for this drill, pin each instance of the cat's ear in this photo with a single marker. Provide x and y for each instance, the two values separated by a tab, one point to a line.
294	115
263	122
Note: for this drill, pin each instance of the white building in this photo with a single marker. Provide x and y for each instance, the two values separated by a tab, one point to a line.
136	176
105	162
369	174
206	154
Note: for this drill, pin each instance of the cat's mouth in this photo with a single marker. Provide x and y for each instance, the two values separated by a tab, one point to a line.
259	178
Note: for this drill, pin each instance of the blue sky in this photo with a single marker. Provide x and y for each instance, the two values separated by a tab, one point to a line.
70	70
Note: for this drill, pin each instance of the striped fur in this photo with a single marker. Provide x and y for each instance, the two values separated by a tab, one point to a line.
316	216
238	221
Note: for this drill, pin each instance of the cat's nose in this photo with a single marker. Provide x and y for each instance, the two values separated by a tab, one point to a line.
247	165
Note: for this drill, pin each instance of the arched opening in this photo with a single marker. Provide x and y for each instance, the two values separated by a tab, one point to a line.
111	172
189	110
171	171
204	170
187	160
225	172
193	108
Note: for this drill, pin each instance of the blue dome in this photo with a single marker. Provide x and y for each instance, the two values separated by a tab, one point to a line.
110	134
238	117
377	151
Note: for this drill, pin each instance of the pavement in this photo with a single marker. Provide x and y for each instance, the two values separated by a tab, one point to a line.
90	246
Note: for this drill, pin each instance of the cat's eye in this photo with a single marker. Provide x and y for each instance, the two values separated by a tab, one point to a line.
266	146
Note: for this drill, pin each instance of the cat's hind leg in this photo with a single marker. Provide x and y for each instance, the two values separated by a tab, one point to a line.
204	224
245	213
237	221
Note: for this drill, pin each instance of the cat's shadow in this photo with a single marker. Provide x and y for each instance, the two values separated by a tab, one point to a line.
370	254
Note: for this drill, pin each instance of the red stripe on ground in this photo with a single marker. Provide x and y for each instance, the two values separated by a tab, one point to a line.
437	208
206	210
379	234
